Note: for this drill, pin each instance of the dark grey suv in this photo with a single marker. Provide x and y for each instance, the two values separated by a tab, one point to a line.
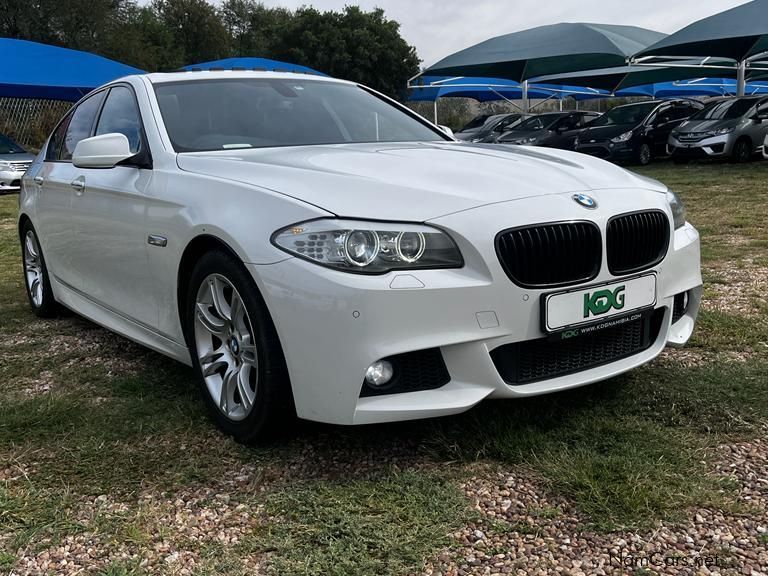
733	128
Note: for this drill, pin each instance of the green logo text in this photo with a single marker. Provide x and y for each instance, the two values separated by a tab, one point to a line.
603	301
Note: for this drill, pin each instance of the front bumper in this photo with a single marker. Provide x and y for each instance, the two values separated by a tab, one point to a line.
607	150
10	180
333	325
714	147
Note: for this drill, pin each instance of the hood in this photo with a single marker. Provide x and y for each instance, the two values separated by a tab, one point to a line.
707	125
605	132
411	181
17	157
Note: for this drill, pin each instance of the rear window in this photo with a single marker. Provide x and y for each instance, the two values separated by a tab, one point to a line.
223	114
632	114
475	123
8	146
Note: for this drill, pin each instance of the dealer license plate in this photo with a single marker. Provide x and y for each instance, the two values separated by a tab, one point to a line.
596	304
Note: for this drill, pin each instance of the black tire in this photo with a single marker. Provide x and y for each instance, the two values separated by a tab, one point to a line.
46	306
273	402
644	154
742	151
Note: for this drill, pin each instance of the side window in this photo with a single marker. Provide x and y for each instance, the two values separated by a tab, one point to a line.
57	138
80	125
661	116
567	123
681	111
120	115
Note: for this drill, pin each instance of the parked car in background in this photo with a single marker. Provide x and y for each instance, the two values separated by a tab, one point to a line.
552	130
493	127
261	227
733	128
635	133
14	161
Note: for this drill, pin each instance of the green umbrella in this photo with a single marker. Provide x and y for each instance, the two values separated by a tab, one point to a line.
555	49
615	79
739	34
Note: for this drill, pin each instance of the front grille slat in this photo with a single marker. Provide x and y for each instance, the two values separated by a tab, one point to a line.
536	360
637	241
547	255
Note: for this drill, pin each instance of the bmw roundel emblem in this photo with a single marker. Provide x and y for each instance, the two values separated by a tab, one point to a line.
586	201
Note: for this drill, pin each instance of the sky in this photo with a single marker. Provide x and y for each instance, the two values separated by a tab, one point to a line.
441	27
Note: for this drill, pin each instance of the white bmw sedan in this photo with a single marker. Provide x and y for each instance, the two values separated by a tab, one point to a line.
309	245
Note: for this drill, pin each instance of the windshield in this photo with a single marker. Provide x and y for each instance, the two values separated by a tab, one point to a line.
725	110
226	114
8	146
475	123
543	122
632	114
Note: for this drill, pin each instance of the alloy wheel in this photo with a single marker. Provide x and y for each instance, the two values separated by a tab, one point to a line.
33	268
645	154
224	341
743	153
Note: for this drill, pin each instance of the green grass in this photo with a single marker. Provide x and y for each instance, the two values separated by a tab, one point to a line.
84	413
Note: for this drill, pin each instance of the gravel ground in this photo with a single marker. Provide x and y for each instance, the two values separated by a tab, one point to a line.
523	532
158	533
743	291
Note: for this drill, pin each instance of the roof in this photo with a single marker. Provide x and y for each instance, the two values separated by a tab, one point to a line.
192	75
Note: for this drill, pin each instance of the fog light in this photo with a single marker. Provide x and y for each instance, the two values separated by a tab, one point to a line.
379	373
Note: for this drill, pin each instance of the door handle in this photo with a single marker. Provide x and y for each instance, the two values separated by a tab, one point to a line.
79	185
39	180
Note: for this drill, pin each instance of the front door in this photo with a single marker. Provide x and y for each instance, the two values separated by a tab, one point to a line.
108	215
54	183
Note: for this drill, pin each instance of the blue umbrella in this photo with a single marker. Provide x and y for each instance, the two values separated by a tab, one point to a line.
33	70
693	88
430	88
252	64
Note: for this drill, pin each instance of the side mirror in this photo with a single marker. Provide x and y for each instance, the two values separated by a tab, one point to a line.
105	151
447	131
760	118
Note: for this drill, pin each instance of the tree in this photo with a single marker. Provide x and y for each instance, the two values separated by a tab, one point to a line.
361	46
196	28
365	47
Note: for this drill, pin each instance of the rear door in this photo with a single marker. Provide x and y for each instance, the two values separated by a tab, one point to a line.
759	127
55	184
565	132
667	119
109	216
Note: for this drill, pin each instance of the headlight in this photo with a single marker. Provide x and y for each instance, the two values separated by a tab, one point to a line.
724	131
623	138
369	247
678	210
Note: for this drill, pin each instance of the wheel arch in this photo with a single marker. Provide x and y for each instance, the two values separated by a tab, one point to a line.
195	249
24	219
